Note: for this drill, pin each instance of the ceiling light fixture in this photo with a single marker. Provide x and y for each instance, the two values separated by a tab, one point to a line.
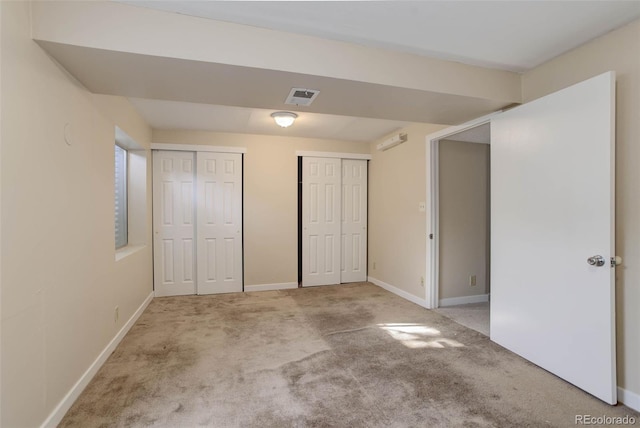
284	118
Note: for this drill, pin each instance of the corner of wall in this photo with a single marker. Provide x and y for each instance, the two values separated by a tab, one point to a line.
57	152
397	226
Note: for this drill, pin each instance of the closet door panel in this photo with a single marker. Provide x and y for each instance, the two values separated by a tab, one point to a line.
354	221
219	224
173	239
321	202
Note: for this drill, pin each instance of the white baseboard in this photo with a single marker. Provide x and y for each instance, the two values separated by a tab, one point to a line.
629	399
452	301
271	287
61	409
395	290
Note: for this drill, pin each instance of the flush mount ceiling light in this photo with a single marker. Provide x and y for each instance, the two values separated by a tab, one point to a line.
284	118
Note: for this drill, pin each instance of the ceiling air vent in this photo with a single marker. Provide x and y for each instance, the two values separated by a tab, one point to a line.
301	97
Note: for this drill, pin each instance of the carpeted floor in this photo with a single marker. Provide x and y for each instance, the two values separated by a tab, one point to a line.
344	356
476	316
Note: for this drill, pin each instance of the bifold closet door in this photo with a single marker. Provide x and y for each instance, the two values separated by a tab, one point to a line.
197	222
354	221
219	214
334	221
173	218
321	179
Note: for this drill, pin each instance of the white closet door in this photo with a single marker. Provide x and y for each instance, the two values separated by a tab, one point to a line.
173	240
219	215
354	221
321	226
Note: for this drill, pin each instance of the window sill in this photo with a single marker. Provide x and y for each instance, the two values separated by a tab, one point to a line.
127	251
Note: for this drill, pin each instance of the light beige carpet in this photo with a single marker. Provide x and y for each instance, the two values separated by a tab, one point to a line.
343	356
476	316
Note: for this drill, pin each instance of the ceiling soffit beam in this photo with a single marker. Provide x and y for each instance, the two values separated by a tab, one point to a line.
161	78
129	29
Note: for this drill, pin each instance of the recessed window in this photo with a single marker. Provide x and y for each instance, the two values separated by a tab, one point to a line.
132	206
121	220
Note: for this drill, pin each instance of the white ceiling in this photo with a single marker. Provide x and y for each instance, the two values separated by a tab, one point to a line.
509	35
478	134
206	117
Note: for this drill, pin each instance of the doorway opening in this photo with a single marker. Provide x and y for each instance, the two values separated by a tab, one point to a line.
542	154
460	211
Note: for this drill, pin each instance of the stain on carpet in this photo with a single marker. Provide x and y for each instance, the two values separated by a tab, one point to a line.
351	355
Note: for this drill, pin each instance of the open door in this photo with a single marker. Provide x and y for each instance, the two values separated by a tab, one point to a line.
552	233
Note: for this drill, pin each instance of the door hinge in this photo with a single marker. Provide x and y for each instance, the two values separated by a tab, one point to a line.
615	261
431	236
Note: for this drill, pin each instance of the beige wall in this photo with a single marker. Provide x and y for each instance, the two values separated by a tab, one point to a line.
463	202
397	230
60	280
91	24
270	196
618	51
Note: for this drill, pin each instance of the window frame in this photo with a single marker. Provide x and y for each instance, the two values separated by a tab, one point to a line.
121	196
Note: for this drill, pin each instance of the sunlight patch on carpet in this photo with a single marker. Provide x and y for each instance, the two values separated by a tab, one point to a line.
416	336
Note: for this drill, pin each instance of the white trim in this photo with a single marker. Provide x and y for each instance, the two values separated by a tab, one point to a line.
446	132
629	399
432	197
125	141
270	287
433	245
465	300
197	148
333	155
395	290
65	404
129	250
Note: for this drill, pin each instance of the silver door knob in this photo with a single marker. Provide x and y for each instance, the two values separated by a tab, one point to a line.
596	261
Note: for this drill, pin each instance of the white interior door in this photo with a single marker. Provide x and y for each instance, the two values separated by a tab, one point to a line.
552	196
353	264
173	218
321	179
219	222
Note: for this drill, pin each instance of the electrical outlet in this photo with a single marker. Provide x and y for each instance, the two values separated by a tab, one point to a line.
374	265
472	280
116	314
422	281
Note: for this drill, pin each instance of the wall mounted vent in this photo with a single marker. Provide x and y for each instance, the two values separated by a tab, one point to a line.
301	97
392	142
